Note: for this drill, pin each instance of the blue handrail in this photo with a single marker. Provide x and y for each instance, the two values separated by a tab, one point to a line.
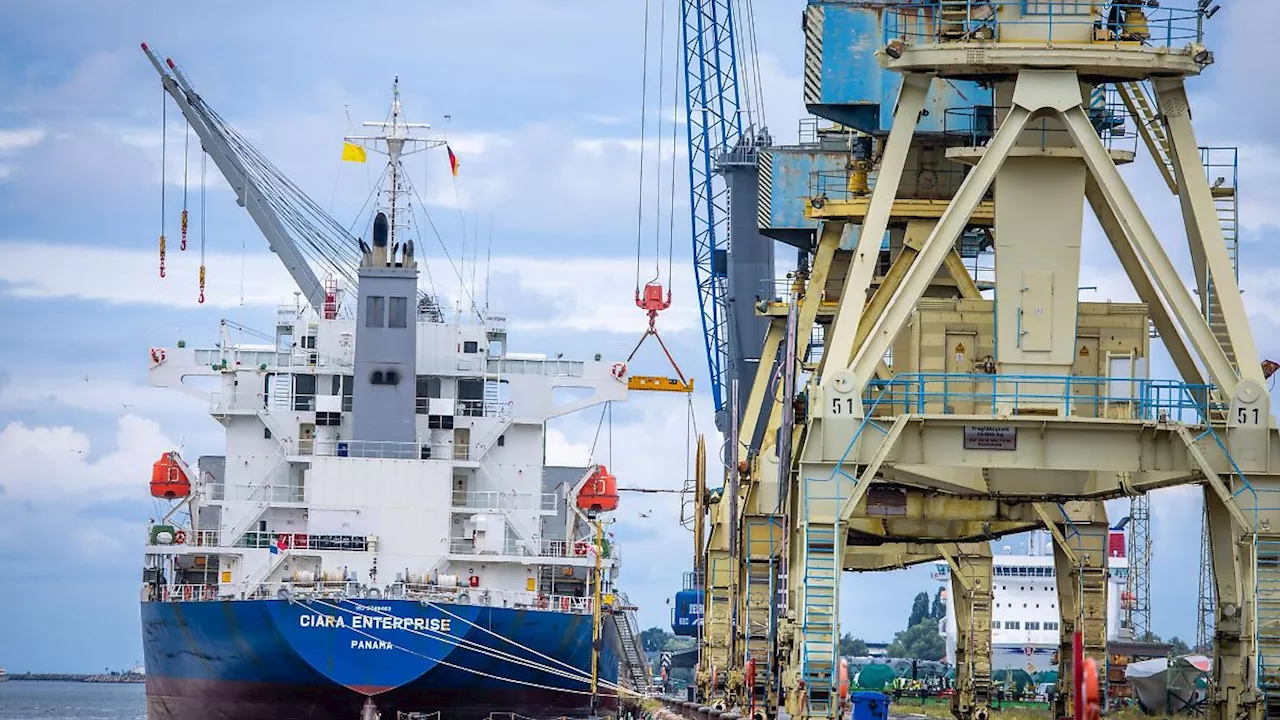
984	394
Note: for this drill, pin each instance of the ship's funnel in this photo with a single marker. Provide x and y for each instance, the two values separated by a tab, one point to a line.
381	231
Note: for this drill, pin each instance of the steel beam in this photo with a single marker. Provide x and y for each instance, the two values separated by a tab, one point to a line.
1231	548
1147	247
971	596
844	329
1204	231
1142	283
934	252
1080	564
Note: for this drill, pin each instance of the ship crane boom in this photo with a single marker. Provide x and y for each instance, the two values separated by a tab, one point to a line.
248	194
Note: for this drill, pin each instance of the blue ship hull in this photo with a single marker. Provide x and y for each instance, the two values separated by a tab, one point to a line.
321	659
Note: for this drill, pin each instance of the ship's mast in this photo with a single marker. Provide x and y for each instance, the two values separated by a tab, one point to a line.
395	141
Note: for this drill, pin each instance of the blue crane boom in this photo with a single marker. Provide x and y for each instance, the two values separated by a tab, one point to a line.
714	126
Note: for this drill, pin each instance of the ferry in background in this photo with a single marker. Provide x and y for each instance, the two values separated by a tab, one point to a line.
4	675
381	534
1024	611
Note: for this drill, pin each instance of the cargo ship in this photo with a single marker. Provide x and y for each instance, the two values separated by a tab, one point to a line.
382	534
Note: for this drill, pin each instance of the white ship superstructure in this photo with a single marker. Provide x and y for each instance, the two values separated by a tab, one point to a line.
464	500
1024	611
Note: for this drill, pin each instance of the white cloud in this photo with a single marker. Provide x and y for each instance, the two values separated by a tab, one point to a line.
20	139
575	293
58	465
132	276
25	393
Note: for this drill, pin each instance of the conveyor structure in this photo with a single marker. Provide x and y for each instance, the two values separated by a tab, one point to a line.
929	379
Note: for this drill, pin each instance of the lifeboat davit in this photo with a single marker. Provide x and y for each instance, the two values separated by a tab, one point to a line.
600	493
168	481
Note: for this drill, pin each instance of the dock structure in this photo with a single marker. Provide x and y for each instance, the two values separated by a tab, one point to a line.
930	380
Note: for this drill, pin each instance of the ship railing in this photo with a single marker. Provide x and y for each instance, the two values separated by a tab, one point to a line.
1065	22
422	592
552	368
548	548
495	500
182	593
389	450
270	493
282	541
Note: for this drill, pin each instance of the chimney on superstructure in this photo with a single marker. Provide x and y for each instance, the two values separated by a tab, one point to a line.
385	387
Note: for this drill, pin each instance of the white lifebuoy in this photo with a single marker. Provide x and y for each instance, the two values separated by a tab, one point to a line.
157	355
1028	651
618	370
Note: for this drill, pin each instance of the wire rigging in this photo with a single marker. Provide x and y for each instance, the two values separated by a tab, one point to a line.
644	104
164	137
675	132
657	213
186	159
203	160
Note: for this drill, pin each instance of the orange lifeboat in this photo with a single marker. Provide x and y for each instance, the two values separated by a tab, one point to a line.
168	481
600	493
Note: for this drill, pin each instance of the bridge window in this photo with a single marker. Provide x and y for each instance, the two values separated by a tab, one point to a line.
397	312
375	310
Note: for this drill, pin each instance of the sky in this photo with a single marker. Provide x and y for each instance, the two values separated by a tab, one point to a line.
542	103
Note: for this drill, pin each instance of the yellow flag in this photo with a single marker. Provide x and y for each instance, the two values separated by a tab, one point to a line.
352	153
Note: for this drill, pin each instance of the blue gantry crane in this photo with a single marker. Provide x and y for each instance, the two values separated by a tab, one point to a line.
714	126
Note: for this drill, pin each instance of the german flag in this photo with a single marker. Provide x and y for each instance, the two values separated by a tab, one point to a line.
453	161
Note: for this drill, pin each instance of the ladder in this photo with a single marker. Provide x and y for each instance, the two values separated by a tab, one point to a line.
281	392
818	623
1268	620
492	398
634	660
953	19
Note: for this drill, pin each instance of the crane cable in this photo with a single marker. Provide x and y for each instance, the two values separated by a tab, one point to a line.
651	298
644	107
204	157
186	159
164	137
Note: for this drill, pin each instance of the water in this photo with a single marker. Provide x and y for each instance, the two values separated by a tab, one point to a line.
32	700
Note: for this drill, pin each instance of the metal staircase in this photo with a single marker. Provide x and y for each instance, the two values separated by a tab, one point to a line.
493	398
1268	620
261	499
818	626
1221	165
1140	100
1222	169
635	663
761	569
